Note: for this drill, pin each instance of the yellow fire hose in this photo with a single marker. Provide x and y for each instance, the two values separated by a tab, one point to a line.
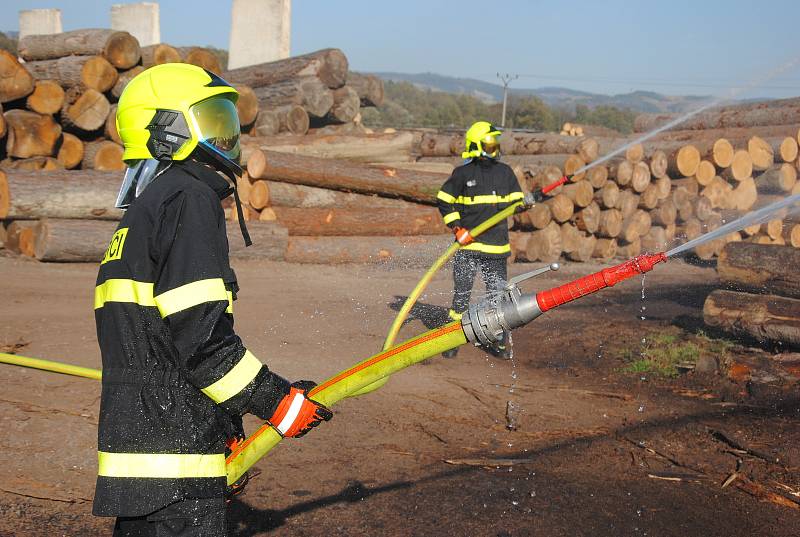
336	388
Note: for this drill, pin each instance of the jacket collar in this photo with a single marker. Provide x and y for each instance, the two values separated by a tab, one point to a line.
207	175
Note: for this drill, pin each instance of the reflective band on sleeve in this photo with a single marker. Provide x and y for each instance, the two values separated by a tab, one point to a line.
191	294
487	248
291	414
229	309
490	198
120	290
445	197
451	217
235	380
160	465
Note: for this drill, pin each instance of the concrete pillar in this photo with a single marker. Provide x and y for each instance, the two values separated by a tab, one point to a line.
39	21
260	31
140	20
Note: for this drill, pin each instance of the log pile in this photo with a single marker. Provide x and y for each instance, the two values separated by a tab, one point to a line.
762	299
63	89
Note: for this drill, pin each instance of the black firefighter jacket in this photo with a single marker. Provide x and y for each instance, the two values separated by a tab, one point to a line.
176	377
475	192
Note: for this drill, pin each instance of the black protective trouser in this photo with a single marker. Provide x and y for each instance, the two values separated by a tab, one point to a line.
203	517
465	265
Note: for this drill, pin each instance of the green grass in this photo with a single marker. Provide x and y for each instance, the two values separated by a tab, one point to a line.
662	353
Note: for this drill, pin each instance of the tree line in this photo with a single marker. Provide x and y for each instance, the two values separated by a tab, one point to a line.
407	105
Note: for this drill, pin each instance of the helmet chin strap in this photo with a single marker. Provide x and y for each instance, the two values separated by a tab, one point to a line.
239	212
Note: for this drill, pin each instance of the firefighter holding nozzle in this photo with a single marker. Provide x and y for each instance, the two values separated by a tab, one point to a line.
476	191
176	377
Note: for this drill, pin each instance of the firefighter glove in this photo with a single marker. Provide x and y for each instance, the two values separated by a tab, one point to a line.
462	236
297	414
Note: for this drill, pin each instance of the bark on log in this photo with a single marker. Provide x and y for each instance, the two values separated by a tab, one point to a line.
270	241
610	223
684	161
346	176
772	319
158	54
47	97
90	71
15	80
123	79
346	105
31	134
33	163
760	268
293	119
791	234
744	195
588	218
776	112
19	232
246	105
85	109
3	126
300	196
415	220
735	135
70	241
85	195
329	65
719	192
268	123
308	92
103	155
773	229
512	143
369	88
373	148
110	125
202	57
399	251
778	179
121	49
741	167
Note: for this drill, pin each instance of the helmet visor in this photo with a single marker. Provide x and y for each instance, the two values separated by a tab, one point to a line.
490	144
217	124
136	179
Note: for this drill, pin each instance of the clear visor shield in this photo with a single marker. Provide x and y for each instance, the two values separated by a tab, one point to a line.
136	179
217	124
491	144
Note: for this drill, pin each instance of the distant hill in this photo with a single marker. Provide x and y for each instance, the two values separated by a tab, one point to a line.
638	101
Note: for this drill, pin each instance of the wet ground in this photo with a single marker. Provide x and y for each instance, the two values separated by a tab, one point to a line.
602	446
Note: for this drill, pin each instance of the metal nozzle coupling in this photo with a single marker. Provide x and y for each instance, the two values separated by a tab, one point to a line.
485	323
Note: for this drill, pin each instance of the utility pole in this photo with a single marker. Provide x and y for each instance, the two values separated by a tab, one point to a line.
505	79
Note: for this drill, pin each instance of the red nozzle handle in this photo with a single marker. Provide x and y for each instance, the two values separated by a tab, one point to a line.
554	185
607	277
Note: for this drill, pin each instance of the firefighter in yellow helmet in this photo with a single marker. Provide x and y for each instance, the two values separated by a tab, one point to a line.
477	190
176	377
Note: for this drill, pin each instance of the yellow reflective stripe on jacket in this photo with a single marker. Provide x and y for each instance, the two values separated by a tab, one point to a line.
191	294
229	309
451	217
445	197
160	465
487	248
235	380
490	198
121	290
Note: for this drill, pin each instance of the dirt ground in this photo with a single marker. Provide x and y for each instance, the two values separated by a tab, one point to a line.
601	447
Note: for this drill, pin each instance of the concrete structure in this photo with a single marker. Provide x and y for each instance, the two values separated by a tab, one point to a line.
140	20
39	21
260	31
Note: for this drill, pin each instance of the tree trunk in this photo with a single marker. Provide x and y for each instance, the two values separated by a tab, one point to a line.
270	240
329	65
85	109
588	149
124	78
103	155
32	195
608	196
787	149
665	214
735	135
346	105
570	237
584	250
760	268
246	105
72	240
741	167
610	223
268	123
767	318
684	161
545	244
202	57
791	234
121	49
627	203
702	209
634	153
300	196
659	164
15	80
158	54
20	232
719	192
93	72
47	97
705	172
31	134
722	153
308	92
31	164
640	179
368	87
605	249
363	222
745	195
649	198
597	176
623	172
110	125
373	148
561	207
663	187
588	218
775	112
512	143
581	193
761	153
778	179
402	251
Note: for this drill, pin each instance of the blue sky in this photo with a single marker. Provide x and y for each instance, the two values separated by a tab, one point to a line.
612	46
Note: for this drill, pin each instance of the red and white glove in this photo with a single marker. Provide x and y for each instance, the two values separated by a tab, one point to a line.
297	414
462	236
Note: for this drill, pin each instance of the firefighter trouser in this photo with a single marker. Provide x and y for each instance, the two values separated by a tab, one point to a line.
465	265
203	517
